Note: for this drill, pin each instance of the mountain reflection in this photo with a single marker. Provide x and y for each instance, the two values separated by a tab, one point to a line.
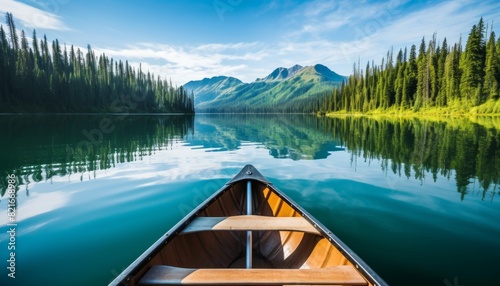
36	148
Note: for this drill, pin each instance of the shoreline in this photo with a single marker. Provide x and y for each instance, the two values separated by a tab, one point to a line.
410	115
491	121
95	113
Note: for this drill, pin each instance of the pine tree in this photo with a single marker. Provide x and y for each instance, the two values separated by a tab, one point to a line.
472	65
422	77
454	73
432	75
492	70
34	79
24	72
12	29
441	99
410	80
399	82
390	77
438	76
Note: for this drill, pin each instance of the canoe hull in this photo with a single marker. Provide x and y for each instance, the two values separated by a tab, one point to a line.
295	241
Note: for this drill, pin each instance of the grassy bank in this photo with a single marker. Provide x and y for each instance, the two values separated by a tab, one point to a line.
487	114
454	109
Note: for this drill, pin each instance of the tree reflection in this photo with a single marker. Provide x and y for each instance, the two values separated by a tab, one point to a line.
469	150
38	148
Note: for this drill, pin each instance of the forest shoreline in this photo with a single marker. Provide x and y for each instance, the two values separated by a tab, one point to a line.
410	114
95	113
486	120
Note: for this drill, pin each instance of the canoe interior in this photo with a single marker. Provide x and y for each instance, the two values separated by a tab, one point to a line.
271	249
227	249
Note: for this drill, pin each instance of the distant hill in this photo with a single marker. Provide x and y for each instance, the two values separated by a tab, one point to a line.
282	87
208	89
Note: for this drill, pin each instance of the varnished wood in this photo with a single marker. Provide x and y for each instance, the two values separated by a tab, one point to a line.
250	222
167	275
209	246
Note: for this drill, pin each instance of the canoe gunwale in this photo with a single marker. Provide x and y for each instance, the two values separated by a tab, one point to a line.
156	247
358	263
247	173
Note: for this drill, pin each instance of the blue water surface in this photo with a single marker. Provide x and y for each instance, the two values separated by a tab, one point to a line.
82	220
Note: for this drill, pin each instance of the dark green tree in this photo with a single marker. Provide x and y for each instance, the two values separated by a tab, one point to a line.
491	70
34	79
436	76
472	65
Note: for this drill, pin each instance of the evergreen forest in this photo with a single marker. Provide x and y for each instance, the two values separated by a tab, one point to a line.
440	76
44	77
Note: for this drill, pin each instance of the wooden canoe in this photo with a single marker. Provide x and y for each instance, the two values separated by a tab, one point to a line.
248	233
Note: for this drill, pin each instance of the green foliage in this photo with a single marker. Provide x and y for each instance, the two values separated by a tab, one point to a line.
472	64
68	144
457	148
303	92
492	70
32	79
439	76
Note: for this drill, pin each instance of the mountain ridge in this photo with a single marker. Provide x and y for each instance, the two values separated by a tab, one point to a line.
208	89
281	73
282	87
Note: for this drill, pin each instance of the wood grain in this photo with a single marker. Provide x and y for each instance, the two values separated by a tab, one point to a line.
250	222
168	275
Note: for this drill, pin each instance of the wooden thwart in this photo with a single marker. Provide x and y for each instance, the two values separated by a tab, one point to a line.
259	237
168	275
250	222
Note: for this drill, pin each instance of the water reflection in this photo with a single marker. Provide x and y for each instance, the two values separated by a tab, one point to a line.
40	147
461	148
37	148
296	137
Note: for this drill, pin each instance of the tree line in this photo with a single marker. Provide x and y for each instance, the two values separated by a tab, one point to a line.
439	75
45	77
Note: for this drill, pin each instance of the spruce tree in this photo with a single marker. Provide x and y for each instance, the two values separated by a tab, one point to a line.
12	29
441	62
399	81
422	77
472	65
34	79
491	70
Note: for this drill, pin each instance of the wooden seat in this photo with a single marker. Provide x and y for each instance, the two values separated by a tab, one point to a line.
250	222
168	275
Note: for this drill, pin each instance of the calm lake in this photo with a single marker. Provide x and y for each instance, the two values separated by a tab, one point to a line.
417	200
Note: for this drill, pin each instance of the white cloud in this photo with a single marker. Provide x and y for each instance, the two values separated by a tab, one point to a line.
340	34
37	204
32	17
329	33
447	19
194	62
320	17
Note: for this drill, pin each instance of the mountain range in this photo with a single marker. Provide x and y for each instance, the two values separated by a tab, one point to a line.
282	87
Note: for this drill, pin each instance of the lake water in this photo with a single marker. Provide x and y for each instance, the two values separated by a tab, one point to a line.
419	201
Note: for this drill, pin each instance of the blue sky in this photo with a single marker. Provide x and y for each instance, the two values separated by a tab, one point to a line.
193	39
